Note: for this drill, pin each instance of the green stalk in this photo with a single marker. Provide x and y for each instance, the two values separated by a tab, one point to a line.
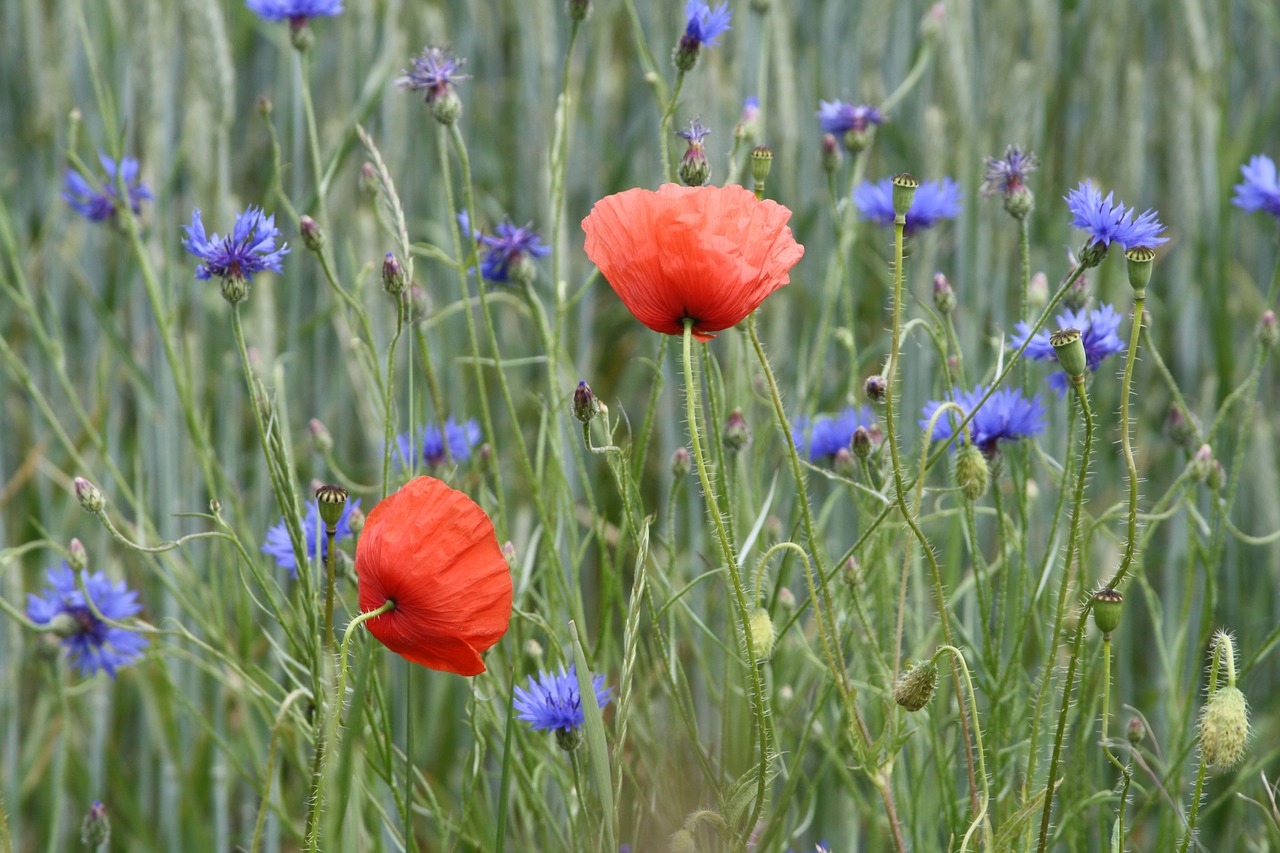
1126	389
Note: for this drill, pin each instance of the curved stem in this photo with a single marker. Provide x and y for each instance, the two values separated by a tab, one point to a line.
1126	391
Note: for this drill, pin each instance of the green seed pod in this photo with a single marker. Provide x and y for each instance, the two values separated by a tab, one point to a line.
1107	605
1069	345
916	685
761	163
1224	728
971	472
904	191
331	500
1139	258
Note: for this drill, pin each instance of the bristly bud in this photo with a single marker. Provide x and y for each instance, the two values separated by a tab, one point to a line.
1107	607
90	498
1038	293
331	499
761	163
904	191
1069	345
312	234
861	442
944	298
1139	258
320	436
95	831
876	388
761	634
394	280
1135	730
737	434
579	9
1224	728
916	685
1080	294
682	841
832	156
585	404
680	463
77	557
1201	464
1181	427
972	474
1268	333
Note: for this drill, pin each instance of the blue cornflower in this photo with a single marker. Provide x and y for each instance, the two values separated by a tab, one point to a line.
462	437
1098	330
1261	188
295	12
249	248
705	24
695	133
554	702
91	643
435	73
99	206
838	117
1008	176
1109	223
507	251
826	434
1007	416
933	200
278	545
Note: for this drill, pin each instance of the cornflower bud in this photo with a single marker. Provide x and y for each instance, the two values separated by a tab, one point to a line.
1201	463
95	831
694	169
737	434
355	520
312	234
585	404
1136	730
831	153
842	463
579	9
509	553
1268	333
786	599
861	442
1181	427
320	436
394	279
87	494
77	557
944	298
916	685
1038	293
876	388
680	463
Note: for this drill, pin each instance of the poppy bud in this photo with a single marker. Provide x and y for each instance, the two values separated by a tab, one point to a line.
585	404
77	558
761	634
1135	731
861	442
737	434
1107	606
831	154
1139	258
842	463
876	388
95	831
1224	728
682	841
1268	333
916	686
1069	345
320	436
331	500
761	163
90	498
394	279
904	190
971	472
944	298
680	463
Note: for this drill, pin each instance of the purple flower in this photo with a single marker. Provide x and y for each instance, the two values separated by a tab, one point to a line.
695	133
295	12
933	201
462	437
705	24
1261	188
101	205
839	118
1007	416
554	702
91	643
1098	330
826	434
750	109
278	545
1008	176
434	73
249	248
505	250
1108	222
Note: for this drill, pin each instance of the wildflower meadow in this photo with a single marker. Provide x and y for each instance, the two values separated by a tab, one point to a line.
529	425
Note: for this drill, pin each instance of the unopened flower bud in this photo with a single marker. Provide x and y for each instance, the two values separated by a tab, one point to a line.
300	34
579	9
90	498
355	520
786	599
585	404
680	463
1201	463
851	571
748	127
1019	202
1038	293
1139	258
1224	728
1181	427
509	553
265	106
694	169
916	685
570	739
932	23
737	434
320	436
761	634
394	279
842	463
332	500
944	298
1107	607
312	234
682	841
972	474
1216	478
533	651
95	831
77	557
1135	730
861	442
877	388
831	153
1069	345
904	191
1268	333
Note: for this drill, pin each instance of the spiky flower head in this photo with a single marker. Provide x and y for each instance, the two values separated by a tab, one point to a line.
436	74
248	249
822	437
553	702
694	170
1106	221
1007	416
1260	190
509	251
91	643
703	25
1008	178
99	202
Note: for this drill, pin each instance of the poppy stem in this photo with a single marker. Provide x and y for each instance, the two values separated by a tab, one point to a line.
330	532
758	698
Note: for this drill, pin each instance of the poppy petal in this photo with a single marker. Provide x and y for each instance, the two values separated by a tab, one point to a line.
433	551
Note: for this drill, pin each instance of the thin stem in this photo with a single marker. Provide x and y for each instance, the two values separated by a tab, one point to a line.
665	124
1106	747
1126	391
1200	770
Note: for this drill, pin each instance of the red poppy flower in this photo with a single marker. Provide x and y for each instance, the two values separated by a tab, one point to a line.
710	253
432	551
